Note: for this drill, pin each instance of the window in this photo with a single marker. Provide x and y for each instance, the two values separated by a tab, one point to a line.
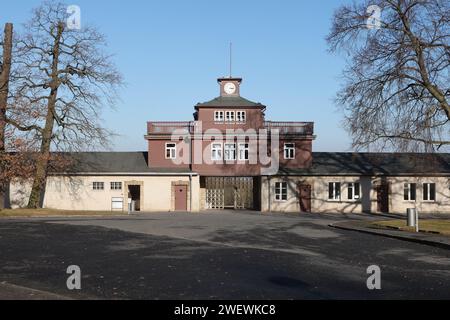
229	116
334	191
240	116
98	185
409	192
216	151
171	150
281	191
218	116
230	151
353	191
429	192
243	151
116	185
289	150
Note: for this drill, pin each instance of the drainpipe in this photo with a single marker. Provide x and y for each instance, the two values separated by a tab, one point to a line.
270	195
190	192
191	142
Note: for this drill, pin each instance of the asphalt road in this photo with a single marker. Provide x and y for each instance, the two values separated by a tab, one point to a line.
226	255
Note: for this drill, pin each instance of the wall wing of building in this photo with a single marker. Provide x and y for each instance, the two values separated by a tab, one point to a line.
158	192
76	192
368	202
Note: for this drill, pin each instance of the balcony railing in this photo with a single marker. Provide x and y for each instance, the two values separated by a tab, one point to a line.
167	127
288	127
284	127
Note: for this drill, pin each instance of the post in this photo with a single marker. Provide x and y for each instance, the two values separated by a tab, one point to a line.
417	220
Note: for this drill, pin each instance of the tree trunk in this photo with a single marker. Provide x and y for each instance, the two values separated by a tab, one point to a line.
4	90
40	177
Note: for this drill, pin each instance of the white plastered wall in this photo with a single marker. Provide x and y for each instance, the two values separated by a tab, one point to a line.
368	202
76	192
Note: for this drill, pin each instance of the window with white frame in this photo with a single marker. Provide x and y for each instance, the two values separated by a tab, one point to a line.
243	151
429	191
281	191
171	150
98	185
289	151
229	116
334	191
241	116
216	151
218	116
230	151
353	191
116	185
409	191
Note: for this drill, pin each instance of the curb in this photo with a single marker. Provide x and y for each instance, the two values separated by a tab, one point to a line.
9	291
66	216
437	244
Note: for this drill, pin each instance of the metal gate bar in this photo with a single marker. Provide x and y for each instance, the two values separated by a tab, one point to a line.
229	192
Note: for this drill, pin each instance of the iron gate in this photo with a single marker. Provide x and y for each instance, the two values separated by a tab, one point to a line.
229	192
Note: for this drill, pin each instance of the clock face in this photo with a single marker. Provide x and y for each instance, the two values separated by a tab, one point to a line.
229	88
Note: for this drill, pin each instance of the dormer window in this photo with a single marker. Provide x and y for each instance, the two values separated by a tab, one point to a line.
240	116
229	116
218	116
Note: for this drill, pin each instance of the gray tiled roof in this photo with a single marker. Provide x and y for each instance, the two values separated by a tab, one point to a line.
324	163
373	164
231	101
115	162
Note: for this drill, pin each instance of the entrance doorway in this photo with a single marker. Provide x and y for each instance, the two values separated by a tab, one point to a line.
229	192
134	192
180	198
304	192
383	198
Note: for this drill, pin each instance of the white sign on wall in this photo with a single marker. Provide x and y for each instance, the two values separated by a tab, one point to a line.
117	203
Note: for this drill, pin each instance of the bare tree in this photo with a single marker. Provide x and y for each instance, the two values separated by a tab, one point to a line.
5	71
396	90
62	81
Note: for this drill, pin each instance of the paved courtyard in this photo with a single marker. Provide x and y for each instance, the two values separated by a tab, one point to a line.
217	255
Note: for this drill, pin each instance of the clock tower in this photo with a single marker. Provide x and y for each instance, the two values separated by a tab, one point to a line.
229	87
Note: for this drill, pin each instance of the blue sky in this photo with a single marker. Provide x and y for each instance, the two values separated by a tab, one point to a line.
172	52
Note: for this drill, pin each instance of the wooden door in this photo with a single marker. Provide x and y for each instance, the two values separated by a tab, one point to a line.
383	198
304	191
181	198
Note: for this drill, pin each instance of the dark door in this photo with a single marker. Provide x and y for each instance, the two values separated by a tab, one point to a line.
135	195
181	198
304	191
383	198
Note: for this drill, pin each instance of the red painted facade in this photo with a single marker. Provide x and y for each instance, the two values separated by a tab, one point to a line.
194	146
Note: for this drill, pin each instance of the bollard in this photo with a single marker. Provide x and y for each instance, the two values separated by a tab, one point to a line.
411	216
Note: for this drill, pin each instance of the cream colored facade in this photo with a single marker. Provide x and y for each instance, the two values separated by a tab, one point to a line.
77	192
440	205
157	193
368	201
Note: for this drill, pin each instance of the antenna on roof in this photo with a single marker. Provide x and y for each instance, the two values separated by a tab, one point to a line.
231	57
